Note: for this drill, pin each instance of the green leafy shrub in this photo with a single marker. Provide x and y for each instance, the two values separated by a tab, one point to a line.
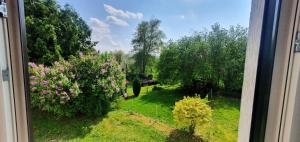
100	78
192	112
52	90
136	86
85	85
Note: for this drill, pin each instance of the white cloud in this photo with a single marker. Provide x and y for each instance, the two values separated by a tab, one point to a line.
102	34
116	21
121	13
99	25
182	17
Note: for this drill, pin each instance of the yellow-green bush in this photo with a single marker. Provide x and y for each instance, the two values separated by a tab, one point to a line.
192	112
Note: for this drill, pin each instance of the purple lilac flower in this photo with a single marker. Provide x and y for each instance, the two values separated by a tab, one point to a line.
47	70
44	92
61	69
33	65
33	77
45	83
43	74
80	54
59	89
57	93
33	83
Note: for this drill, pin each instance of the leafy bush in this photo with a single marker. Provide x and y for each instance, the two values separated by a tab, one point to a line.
52	90
100	78
191	112
136	86
85	85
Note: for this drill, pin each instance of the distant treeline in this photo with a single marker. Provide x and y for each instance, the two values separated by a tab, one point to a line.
214	58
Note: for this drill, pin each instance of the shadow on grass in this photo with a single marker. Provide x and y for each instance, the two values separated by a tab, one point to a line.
183	136
130	97
46	127
225	103
166	97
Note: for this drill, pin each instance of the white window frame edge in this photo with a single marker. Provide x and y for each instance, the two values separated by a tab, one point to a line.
288	22
16	30
250	72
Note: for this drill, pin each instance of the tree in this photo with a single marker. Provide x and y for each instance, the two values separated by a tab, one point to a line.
54	32
215	58
168	64
119	56
146	42
73	33
217	39
235	58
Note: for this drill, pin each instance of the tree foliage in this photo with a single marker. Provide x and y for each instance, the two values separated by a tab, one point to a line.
54	32
216	57
146	42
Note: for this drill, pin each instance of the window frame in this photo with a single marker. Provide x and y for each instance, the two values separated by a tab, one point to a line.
20	76
260	62
289	19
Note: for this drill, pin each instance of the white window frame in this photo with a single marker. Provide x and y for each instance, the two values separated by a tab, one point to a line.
21	86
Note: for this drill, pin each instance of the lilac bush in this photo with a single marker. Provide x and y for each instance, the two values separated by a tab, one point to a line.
86	85
100	78
51	89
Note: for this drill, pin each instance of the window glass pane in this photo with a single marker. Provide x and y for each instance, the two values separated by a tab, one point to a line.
136	70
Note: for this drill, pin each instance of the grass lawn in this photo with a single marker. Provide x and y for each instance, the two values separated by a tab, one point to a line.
147	118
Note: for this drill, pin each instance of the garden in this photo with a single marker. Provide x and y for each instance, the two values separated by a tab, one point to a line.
147	117
180	90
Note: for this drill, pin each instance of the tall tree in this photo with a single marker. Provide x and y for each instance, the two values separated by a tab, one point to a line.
217	40
54	32
146	42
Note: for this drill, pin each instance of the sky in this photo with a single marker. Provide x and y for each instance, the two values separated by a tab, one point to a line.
113	22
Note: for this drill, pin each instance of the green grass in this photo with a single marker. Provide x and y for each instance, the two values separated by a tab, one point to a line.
115	127
147	117
155	104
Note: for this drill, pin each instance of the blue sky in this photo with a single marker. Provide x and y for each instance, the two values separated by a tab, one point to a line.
113	22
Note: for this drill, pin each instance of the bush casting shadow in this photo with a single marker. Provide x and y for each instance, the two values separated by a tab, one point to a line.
183	136
46	127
